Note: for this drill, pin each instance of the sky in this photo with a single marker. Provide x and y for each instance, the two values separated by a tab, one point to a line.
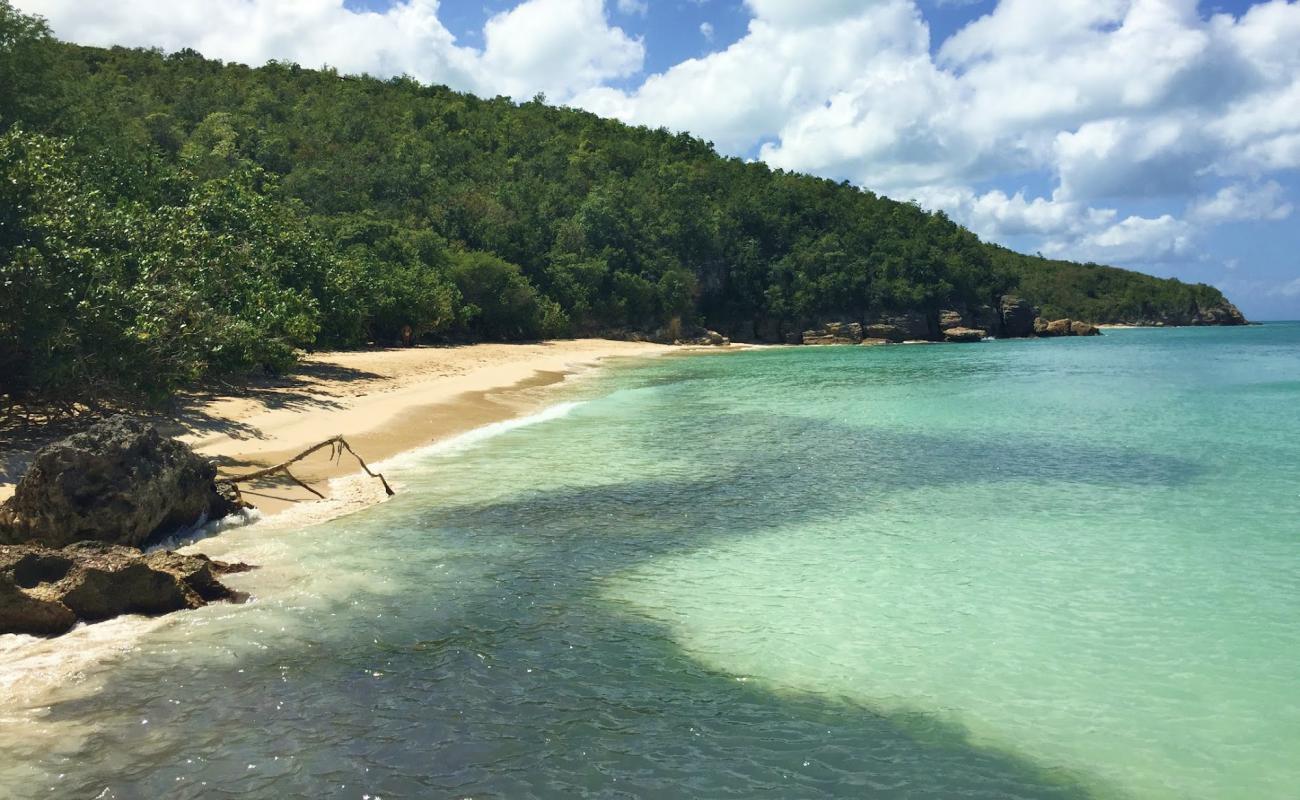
1161	135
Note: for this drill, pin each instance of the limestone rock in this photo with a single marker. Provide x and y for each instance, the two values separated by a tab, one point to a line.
119	481
1057	327
1080	328
963	335
834	333
950	318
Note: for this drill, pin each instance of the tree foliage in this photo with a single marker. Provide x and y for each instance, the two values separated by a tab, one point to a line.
167	219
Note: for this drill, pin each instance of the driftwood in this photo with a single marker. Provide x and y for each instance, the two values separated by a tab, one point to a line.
338	445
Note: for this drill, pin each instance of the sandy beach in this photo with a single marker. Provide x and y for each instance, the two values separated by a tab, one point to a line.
384	402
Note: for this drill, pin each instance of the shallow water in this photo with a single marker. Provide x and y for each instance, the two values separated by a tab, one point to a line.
1057	569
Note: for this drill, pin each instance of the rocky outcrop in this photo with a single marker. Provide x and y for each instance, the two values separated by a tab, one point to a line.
1064	327
1224	313
1056	327
951	318
888	333
1017	317
834	333
963	335
45	591
120	481
912	325
671	334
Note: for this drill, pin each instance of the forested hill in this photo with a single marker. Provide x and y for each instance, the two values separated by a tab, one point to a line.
165	218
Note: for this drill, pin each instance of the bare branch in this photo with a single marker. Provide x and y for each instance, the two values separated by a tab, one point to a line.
338	445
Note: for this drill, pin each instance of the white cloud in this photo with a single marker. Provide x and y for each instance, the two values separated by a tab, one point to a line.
1118	101
556	46
1239	202
1134	239
787	65
560	47
706	29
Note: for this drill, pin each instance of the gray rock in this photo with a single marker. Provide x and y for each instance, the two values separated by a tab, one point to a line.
1017	317
987	318
120	481
911	325
889	333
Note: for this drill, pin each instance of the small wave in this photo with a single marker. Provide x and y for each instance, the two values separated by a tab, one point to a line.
468	439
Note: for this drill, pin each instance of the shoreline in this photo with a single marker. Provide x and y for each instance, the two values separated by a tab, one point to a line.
386	402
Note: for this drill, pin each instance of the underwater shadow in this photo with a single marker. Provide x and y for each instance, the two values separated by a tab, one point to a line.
524	682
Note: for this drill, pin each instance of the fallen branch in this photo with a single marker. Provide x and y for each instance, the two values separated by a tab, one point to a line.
338	445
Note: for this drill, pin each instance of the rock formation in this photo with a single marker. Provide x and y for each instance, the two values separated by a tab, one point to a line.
951	318
1057	327
1064	327
963	335
44	591
1017	317
834	333
1223	314
120	481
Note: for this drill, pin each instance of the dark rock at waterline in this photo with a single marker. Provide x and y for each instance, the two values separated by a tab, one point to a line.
909	325
1017	317
45	591
987	319
119	481
889	333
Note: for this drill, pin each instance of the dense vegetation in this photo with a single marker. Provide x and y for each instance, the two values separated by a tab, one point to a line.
1104	294
168	219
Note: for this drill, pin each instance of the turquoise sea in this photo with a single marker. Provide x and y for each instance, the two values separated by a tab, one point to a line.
1033	569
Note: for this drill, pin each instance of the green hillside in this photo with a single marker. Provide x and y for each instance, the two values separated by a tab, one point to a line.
1109	295
166	219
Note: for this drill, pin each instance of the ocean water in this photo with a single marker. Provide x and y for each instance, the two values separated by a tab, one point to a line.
1033	569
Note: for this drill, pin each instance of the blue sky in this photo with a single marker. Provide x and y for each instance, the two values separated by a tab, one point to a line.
1162	135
